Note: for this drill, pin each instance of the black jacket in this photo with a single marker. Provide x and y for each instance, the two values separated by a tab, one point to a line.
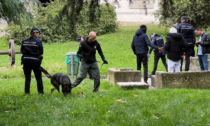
174	46
205	43
141	42
32	50
87	51
187	30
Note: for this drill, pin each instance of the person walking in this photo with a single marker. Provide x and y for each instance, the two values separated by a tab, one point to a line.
174	46
86	53
158	41
140	48
32	50
80	39
203	45
187	30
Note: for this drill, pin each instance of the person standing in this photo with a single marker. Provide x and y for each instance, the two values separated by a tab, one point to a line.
32	50
158	41
140	48
87	52
203	44
187	30
174	46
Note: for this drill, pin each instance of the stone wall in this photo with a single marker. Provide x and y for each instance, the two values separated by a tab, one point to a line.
194	63
134	14
115	75
192	79
3	25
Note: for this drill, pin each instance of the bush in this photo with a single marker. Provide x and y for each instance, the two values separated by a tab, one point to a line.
45	20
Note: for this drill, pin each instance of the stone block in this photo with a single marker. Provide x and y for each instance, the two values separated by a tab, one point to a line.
133	85
194	64
153	81
115	75
191	79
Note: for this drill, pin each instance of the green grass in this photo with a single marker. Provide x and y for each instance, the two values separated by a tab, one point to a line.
116	48
111	106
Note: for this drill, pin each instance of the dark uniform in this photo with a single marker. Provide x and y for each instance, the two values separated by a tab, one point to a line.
32	51
158	41
86	54
187	30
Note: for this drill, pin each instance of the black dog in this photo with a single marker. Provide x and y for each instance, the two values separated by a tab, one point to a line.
59	79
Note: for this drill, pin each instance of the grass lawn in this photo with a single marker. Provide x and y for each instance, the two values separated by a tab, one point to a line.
109	106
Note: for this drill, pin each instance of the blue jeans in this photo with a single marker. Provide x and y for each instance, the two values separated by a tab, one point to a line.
203	61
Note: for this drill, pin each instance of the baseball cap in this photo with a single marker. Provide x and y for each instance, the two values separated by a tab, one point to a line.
35	29
143	27
184	17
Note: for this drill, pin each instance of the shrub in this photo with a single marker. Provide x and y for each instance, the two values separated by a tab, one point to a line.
105	22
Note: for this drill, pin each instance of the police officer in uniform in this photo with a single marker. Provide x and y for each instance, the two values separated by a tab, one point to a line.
86	53
32	51
187	30
158	41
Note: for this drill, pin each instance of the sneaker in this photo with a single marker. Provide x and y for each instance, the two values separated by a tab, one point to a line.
145	81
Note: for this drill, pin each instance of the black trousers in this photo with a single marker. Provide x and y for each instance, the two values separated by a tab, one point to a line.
27	68
189	52
156	59
142	58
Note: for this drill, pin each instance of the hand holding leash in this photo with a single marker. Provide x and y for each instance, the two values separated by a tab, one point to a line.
105	62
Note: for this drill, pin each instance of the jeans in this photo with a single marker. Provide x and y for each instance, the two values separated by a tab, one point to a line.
142	58
203	61
156	59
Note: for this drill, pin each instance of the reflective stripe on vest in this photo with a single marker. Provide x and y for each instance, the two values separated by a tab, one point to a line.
30	58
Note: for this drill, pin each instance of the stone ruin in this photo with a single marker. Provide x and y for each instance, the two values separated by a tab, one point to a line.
126	78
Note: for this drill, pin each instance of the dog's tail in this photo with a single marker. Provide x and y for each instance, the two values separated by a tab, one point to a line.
45	72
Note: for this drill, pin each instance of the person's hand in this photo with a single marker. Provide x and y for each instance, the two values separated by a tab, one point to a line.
160	49
105	62
80	57
197	43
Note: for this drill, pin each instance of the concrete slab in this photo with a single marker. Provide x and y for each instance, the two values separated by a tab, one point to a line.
131	85
115	75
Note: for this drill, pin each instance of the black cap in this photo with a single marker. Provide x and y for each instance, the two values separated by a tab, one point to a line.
78	38
143	27
184	17
35	29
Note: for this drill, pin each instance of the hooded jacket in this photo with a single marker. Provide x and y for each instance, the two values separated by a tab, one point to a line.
174	46
141	42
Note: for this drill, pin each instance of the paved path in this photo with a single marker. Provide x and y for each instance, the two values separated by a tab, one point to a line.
149	82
